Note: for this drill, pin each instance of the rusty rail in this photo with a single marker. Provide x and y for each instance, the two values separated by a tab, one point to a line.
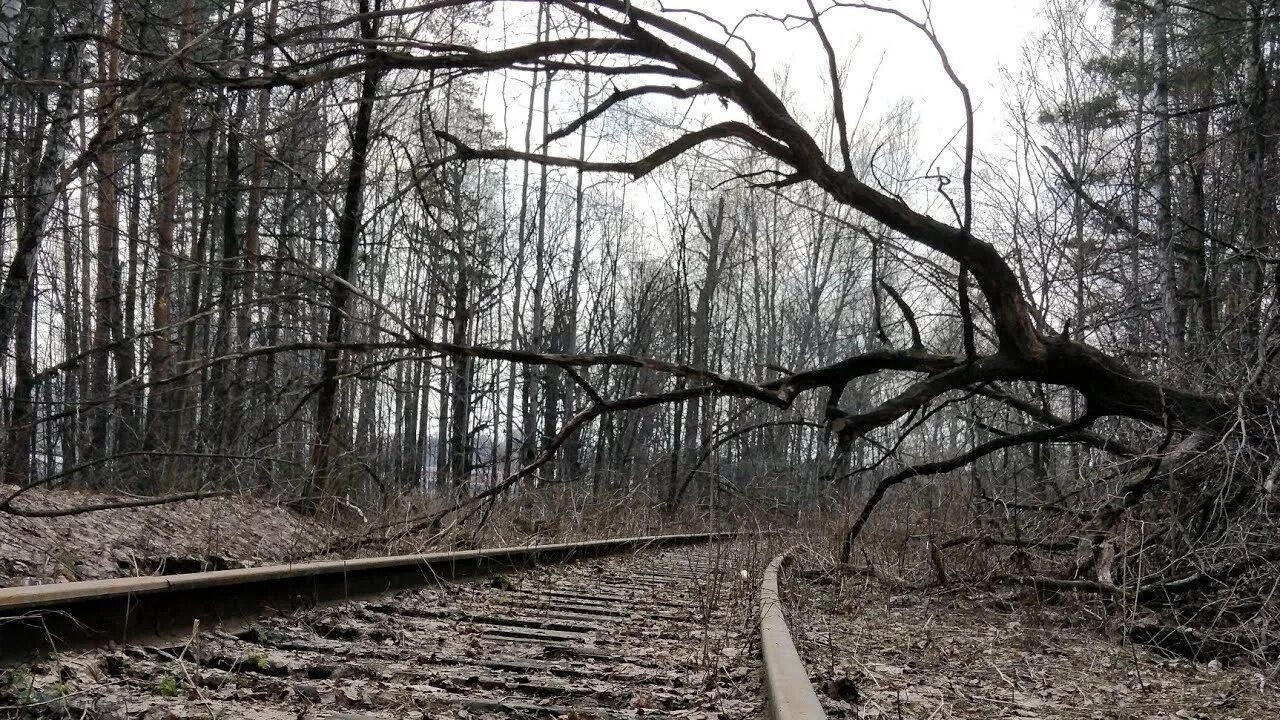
47	618
786	682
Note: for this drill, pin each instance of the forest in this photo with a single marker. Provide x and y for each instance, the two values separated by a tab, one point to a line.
445	256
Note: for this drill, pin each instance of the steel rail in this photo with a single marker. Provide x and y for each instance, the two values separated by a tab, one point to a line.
786	682
40	619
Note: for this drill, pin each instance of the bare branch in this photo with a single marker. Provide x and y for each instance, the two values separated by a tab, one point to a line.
711	449
619	96
907	314
947	465
635	168
837	89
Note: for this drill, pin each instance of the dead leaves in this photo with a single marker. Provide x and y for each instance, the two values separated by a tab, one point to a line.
214	533
914	656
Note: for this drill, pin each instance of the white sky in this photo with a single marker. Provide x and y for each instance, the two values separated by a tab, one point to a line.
886	60
893	60
884	55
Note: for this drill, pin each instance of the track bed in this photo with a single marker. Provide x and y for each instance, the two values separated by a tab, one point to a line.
654	634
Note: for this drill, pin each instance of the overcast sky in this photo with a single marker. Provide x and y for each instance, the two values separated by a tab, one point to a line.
886	60
885	56
892	60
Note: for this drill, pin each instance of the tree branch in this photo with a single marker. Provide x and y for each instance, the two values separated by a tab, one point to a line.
947	465
635	168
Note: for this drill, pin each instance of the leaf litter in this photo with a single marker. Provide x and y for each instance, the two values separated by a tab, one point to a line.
963	652
188	536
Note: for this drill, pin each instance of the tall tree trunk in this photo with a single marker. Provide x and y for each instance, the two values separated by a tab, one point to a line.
697	413
17	305
348	229
1255	191
460	380
107	291
1201	330
250	370
224	382
18	446
71	339
1137	288
127	283
1172	312
569	344
425	438
161	358
517	319
542	390
186	421
44	194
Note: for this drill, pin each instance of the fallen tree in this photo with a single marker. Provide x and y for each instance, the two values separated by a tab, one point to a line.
1003	345
627	41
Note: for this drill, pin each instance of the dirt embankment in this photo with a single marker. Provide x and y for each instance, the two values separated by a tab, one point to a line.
194	535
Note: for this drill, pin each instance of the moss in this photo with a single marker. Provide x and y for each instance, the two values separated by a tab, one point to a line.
168	686
19	685
62	688
258	660
68	565
19	676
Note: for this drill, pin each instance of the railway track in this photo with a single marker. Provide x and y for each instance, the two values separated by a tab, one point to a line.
658	632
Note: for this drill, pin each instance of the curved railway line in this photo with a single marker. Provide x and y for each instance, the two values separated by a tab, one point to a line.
662	627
